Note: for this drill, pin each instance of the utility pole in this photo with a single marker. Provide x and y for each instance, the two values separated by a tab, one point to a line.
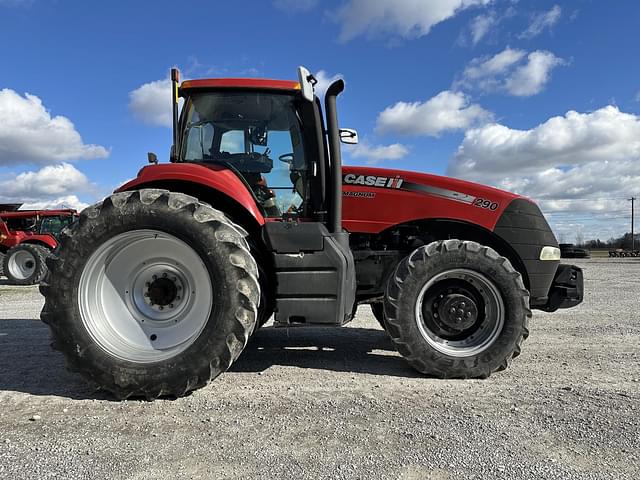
633	243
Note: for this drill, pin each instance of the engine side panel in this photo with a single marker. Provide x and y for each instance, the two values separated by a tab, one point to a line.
375	199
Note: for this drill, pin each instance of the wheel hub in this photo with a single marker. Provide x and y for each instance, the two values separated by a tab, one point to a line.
457	312
163	291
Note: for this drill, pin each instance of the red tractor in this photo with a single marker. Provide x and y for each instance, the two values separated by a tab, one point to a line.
26	238
157	289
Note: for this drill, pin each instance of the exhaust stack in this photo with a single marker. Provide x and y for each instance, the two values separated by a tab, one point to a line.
333	134
175	82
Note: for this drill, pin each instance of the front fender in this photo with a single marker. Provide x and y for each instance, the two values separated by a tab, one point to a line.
213	177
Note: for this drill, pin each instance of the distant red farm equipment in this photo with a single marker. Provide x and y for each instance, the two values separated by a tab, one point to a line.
26	238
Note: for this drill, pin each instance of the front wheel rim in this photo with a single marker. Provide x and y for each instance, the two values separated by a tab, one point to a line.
22	265
145	296
479	323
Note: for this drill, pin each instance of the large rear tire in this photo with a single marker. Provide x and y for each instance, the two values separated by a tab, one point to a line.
457	309
25	264
151	293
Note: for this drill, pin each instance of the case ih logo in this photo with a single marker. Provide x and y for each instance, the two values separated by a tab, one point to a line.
372	181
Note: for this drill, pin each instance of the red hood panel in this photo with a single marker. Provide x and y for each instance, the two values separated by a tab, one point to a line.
375	199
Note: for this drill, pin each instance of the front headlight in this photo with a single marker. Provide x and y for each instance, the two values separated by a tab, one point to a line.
550	253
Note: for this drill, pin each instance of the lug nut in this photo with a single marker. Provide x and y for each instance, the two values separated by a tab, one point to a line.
462	305
161	307
468	314
178	298
164	275
171	305
453	310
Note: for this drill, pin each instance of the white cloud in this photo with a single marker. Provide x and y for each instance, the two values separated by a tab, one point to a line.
377	153
581	166
512	71
30	134
402	18
530	79
151	103
50	186
295	6
480	27
542	21
444	112
324	80
69	201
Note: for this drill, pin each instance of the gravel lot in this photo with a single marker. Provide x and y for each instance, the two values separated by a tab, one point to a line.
340	403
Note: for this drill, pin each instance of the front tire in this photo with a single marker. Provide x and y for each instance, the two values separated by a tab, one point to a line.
457	309
151	293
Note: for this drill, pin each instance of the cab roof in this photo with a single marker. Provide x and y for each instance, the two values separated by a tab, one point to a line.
248	83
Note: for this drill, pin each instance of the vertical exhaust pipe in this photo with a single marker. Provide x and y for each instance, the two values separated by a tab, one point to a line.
333	134
175	82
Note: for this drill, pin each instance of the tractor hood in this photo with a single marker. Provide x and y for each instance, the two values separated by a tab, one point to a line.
376	198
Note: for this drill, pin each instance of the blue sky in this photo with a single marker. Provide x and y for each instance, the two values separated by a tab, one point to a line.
464	87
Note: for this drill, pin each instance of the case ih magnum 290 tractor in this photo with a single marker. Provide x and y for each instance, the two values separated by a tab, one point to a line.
26	238
157	289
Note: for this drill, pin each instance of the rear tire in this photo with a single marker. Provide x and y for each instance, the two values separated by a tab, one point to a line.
457	309
138	336
25	264
1	264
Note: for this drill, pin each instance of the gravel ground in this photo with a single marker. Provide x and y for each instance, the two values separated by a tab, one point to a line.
341	403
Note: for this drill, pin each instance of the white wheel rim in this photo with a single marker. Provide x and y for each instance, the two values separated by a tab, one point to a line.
22	264
145	296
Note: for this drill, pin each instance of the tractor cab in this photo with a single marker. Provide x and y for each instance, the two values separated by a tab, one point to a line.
259	136
271	134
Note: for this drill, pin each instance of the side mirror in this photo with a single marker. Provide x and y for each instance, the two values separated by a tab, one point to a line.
307	81
152	158
349	136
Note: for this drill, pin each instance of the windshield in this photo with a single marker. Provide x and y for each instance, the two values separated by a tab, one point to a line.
54	225
256	134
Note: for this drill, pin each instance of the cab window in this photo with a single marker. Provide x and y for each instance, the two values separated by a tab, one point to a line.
258	135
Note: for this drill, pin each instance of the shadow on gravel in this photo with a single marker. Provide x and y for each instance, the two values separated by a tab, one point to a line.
356	350
28	364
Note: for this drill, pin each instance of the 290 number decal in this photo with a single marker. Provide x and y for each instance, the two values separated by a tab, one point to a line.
484	203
